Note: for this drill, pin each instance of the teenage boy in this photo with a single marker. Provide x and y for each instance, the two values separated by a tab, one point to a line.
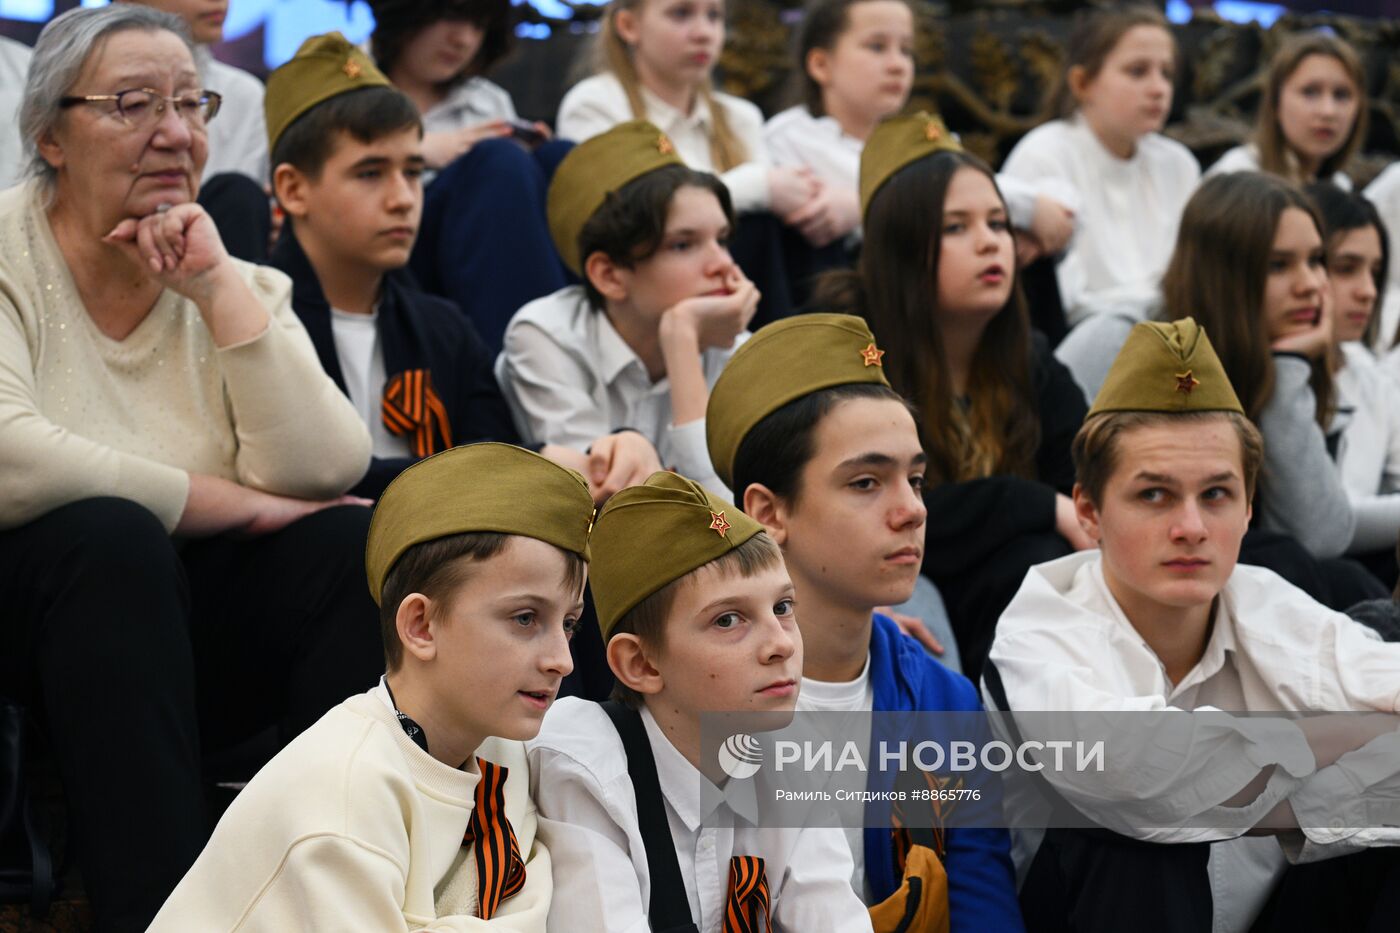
698	615
408	807
804	427
638	344
348	151
1161	618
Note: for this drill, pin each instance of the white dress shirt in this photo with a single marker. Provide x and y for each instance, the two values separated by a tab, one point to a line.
14	69
1245	158
795	137
1065	644
1368	451
1126	212
597	104
570	378
602	884
238	135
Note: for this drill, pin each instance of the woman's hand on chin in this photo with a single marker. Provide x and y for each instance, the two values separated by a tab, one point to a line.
179	247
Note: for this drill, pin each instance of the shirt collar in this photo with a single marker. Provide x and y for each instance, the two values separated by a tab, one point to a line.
1222	638
668	118
692	795
614	355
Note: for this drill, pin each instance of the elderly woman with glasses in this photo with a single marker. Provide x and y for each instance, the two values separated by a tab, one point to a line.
179	568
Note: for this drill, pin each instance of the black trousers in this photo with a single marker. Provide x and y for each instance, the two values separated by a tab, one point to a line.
1093	881
139	654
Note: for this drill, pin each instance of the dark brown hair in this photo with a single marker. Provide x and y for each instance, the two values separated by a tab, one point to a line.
1341	213
1095	35
437	568
630	223
366	114
1275	155
1217	275
1095	446
398	22
647	620
895	288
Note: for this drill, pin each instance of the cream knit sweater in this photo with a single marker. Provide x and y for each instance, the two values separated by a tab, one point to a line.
353	827
82	415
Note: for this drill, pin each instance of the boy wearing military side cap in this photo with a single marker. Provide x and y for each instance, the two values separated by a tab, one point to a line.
698	612
1161	617
347	156
635	347
408	807
804	427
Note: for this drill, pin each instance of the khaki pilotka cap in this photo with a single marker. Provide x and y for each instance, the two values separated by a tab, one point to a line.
596	168
897	142
324	67
1166	367
477	487
779	364
649	535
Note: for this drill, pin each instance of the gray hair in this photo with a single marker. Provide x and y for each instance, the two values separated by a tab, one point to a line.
59	55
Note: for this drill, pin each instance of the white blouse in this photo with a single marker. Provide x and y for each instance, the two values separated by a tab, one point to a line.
597	104
1368	450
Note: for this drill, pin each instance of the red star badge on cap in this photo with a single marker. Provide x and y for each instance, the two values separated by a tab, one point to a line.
351	69
719	524
1185	382
664	146
871	355
932	132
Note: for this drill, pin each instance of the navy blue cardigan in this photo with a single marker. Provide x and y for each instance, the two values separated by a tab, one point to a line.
416	331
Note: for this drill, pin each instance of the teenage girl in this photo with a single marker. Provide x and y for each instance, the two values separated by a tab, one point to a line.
655	59
937	282
1366	422
1126	182
1312	116
856	59
483	242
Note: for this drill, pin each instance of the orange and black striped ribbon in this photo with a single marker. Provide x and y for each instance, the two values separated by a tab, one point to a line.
500	871
746	909
411	405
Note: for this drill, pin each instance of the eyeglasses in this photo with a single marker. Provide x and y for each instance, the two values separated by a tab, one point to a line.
142	108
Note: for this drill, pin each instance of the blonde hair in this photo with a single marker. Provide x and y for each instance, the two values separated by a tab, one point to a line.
613	54
1275	155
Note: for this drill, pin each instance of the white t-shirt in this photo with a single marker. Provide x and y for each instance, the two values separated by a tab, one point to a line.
852	696
1126	211
362	365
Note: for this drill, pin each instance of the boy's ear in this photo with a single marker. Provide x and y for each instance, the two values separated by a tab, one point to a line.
414	624
292	188
763	506
630	665
607	277
818	65
1087	512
